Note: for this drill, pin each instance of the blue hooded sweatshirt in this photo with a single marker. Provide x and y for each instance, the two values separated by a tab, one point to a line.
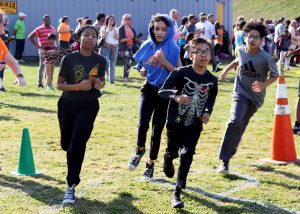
156	73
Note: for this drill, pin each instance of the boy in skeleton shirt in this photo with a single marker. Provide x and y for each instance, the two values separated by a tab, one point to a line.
192	91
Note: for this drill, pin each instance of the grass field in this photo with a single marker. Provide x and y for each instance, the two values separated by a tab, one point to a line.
108	187
270	9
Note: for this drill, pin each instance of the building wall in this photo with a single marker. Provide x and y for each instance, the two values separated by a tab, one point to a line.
141	11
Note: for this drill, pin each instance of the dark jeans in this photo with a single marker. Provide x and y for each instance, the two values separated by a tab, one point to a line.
186	138
64	44
151	104
20	44
242	109
76	121
2	73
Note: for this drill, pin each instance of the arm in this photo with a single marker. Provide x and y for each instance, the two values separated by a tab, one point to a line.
84	85
231	66
15	67
160	56
31	37
260	86
168	91
210	103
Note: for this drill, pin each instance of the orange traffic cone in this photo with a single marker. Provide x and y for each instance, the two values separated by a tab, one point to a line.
283	147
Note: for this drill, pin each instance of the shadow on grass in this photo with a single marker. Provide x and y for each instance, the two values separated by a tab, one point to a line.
27	108
248	206
37	95
272	169
52	196
8	118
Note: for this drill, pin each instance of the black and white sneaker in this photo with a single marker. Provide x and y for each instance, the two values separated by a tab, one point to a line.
296	128
135	159
168	165
69	197
176	201
224	168
148	174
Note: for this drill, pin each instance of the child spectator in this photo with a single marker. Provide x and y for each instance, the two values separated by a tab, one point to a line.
186	56
284	42
192	91
49	66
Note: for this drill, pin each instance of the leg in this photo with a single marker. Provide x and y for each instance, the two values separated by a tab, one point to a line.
22	41
236	126
65	115
112	64
146	108
190	139
83	125
158	124
41	70
296	127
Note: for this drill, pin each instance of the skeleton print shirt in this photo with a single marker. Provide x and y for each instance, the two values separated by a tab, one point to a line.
201	89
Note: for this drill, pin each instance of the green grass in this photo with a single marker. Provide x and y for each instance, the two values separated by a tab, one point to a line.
107	186
266	9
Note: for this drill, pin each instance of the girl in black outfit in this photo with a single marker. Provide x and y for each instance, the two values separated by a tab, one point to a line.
80	78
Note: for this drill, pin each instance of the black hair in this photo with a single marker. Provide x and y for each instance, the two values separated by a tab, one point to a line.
51	36
198	40
241	25
157	18
258	26
79	32
87	21
100	16
184	20
189	36
107	19
191	16
46	16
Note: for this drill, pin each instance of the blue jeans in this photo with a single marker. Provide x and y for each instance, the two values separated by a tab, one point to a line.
242	109
110	60
41	69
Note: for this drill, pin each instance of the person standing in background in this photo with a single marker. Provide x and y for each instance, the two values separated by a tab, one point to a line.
41	33
100	22
20	34
64	32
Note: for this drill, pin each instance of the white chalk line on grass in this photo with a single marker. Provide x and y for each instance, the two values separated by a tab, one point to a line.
251	182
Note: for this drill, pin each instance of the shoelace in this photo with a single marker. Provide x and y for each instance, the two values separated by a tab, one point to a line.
149	172
135	159
70	192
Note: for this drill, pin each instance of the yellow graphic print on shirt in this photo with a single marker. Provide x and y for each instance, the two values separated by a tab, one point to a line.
78	71
93	74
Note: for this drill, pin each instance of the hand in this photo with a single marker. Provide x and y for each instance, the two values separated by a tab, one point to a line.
258	86
182	99
85	85
20	81
160	56
205	118
143	72
223	75
99	84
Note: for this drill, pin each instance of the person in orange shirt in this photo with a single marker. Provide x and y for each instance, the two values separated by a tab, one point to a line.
64	32
7	58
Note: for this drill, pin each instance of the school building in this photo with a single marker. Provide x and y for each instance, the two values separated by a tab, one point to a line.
141	11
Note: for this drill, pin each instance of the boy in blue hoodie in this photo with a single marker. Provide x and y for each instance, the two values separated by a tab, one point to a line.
157	57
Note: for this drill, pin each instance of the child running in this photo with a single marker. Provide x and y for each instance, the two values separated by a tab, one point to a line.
250	88
192	90
81	77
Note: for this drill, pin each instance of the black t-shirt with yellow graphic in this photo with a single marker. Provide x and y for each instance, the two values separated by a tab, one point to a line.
75	68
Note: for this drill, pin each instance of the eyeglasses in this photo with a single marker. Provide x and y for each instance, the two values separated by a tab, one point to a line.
200	52
253	37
